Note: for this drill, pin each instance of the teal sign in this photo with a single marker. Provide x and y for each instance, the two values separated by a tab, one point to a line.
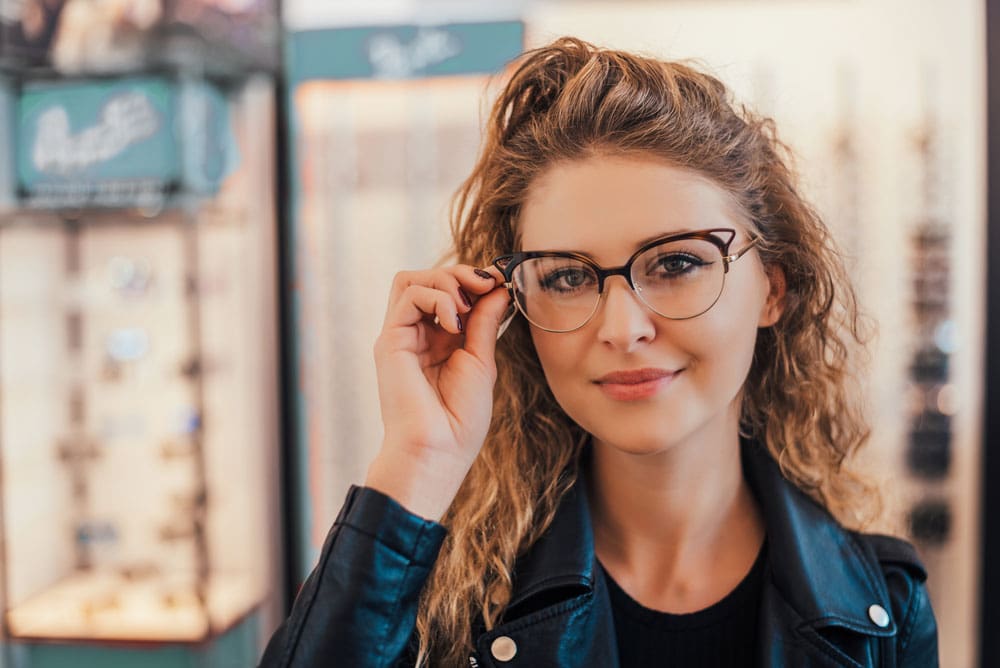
120	143
404	52
210	150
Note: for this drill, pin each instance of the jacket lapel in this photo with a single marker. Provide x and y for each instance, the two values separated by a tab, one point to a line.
563	557
820	577
559	612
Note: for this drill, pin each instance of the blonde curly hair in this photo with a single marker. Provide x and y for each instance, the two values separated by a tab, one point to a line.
570	100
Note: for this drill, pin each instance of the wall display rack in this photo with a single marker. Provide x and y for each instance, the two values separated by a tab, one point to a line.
138	367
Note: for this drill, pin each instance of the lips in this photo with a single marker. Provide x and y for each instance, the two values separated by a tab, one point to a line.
635	384
633	377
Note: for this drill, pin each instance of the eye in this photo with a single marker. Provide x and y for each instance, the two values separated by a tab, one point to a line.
566	279
675	264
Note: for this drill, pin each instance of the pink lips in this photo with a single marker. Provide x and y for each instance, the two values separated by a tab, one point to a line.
635	384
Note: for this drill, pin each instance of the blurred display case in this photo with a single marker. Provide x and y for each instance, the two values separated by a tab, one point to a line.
113	36
138	372
27	29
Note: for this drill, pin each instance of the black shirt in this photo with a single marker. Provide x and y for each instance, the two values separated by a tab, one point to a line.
722	635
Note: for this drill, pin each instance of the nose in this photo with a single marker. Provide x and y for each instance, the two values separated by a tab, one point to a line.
624	322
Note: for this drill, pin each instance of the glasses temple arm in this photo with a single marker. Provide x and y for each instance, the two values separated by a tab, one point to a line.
740	253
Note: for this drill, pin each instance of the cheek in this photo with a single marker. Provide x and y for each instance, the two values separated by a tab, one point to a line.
561	356
725	338
724	341
551	351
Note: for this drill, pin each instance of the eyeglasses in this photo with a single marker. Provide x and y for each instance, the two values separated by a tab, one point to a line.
678	277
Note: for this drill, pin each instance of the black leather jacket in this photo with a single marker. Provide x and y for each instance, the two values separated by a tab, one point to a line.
824	601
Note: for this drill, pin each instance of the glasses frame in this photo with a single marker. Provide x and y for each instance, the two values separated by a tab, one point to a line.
506	264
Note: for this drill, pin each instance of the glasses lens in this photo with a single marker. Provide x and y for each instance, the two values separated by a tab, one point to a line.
680	279
556	293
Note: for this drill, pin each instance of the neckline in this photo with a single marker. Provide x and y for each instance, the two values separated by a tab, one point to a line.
742	595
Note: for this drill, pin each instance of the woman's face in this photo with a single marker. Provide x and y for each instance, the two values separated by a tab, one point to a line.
607	207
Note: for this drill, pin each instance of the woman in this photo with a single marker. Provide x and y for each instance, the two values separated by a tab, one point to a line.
648	467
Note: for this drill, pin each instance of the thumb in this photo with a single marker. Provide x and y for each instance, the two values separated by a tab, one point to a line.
483	324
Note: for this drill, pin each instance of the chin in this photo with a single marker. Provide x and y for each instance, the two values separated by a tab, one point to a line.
641	450
640	444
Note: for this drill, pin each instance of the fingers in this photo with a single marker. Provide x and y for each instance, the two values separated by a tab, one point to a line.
455	280
418	301
482	326
482	273
479	280
461	299
461	282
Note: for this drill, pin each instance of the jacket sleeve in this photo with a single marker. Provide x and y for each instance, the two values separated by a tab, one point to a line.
358	607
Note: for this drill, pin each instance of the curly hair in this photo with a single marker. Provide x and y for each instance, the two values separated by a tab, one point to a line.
571	100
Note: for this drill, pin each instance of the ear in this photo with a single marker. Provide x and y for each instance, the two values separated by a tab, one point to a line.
775	304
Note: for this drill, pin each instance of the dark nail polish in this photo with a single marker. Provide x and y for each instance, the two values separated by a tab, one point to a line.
459	320
465	298
483	274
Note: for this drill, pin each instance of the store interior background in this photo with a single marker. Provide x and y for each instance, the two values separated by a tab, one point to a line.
337	175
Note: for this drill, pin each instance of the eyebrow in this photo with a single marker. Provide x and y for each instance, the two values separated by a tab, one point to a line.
637	246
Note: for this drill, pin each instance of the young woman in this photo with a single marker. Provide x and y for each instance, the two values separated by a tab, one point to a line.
649	466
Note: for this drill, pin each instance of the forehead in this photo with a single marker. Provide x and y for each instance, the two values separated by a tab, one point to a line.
606	206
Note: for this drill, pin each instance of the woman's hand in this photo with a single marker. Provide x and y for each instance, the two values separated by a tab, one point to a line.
435	364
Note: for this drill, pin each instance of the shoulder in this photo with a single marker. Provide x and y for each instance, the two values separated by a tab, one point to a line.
905	577
895	553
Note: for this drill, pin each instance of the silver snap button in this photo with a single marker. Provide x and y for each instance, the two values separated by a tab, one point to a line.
878	615
503	648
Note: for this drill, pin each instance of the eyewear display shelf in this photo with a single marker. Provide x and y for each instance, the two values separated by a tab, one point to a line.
137	428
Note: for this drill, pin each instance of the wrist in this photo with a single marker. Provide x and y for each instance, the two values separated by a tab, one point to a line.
424	486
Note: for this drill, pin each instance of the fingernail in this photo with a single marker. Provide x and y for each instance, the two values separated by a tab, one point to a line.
459	320
465	298
483	274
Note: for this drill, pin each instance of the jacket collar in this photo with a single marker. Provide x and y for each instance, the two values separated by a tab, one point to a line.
818	568
563	556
